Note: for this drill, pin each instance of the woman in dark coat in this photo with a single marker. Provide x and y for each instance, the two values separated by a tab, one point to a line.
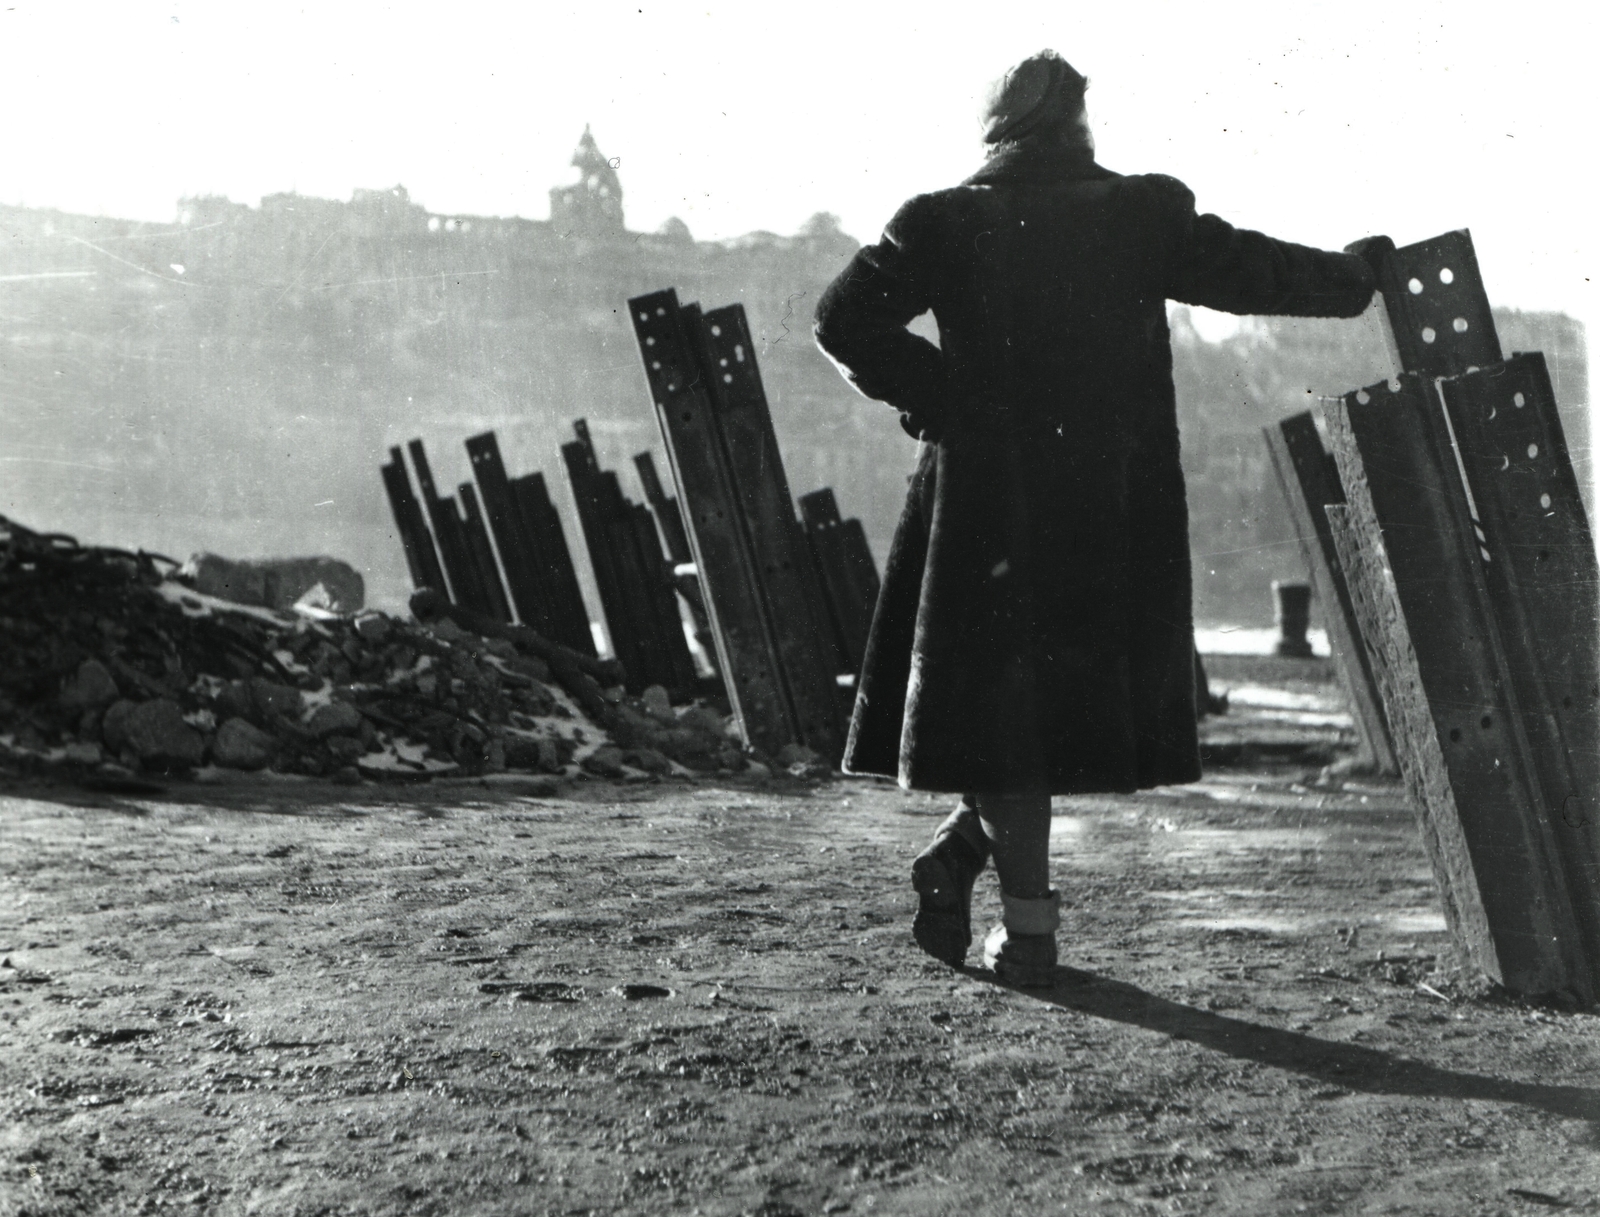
1034	634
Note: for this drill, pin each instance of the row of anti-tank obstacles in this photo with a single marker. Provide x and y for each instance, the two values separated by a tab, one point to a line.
780	606
1449	548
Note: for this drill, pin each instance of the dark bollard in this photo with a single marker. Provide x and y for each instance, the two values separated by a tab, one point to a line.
1293	618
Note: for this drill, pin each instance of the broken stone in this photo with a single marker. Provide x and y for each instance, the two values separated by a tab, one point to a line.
647	759
530	665
703	718
157	733
692	748
606	761
318	597
791	755
540	755
90	686
273	699
234	581
658	704
278	582
374	627
234	700
346	749
89	726
241	745
114	726
335	718
447	629
634	728
535	699
503	648
523	752
82	754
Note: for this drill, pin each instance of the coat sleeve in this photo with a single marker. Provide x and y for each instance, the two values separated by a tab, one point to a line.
1235	270
862	316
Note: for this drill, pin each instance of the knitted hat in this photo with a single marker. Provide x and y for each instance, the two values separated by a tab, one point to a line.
1042	91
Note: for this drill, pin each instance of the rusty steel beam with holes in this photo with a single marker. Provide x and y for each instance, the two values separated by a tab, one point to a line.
1310	482
1541	579
1458	723
666	508
790	600
450	533
482	552
670	663
553	562
583	475
421	558
670	521
510	534
847	572
746	651
1538	560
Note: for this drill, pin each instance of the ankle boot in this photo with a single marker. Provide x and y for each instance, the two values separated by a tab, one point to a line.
1022	949
942	876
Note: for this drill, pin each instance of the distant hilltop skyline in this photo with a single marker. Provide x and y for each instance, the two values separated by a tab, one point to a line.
589	209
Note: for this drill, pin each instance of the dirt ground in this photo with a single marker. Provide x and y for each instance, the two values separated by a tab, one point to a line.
529	996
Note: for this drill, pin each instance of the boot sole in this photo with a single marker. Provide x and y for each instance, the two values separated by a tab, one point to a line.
931	879
943	925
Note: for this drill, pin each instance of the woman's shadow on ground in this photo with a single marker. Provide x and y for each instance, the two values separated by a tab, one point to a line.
1347	1065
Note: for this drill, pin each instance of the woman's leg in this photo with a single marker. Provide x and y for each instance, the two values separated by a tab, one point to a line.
1022	949
1018	829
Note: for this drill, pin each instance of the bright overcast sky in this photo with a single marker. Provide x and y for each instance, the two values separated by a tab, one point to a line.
1316	122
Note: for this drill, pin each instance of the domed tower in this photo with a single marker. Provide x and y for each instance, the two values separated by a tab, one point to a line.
592	206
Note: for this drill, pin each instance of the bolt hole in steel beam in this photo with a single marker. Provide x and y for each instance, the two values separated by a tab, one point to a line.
1430	289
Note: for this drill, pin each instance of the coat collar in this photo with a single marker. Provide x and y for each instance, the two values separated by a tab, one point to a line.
1021	165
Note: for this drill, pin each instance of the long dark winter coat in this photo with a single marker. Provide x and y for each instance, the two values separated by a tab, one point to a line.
1034	631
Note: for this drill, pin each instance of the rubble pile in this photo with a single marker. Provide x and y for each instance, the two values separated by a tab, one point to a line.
109	662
